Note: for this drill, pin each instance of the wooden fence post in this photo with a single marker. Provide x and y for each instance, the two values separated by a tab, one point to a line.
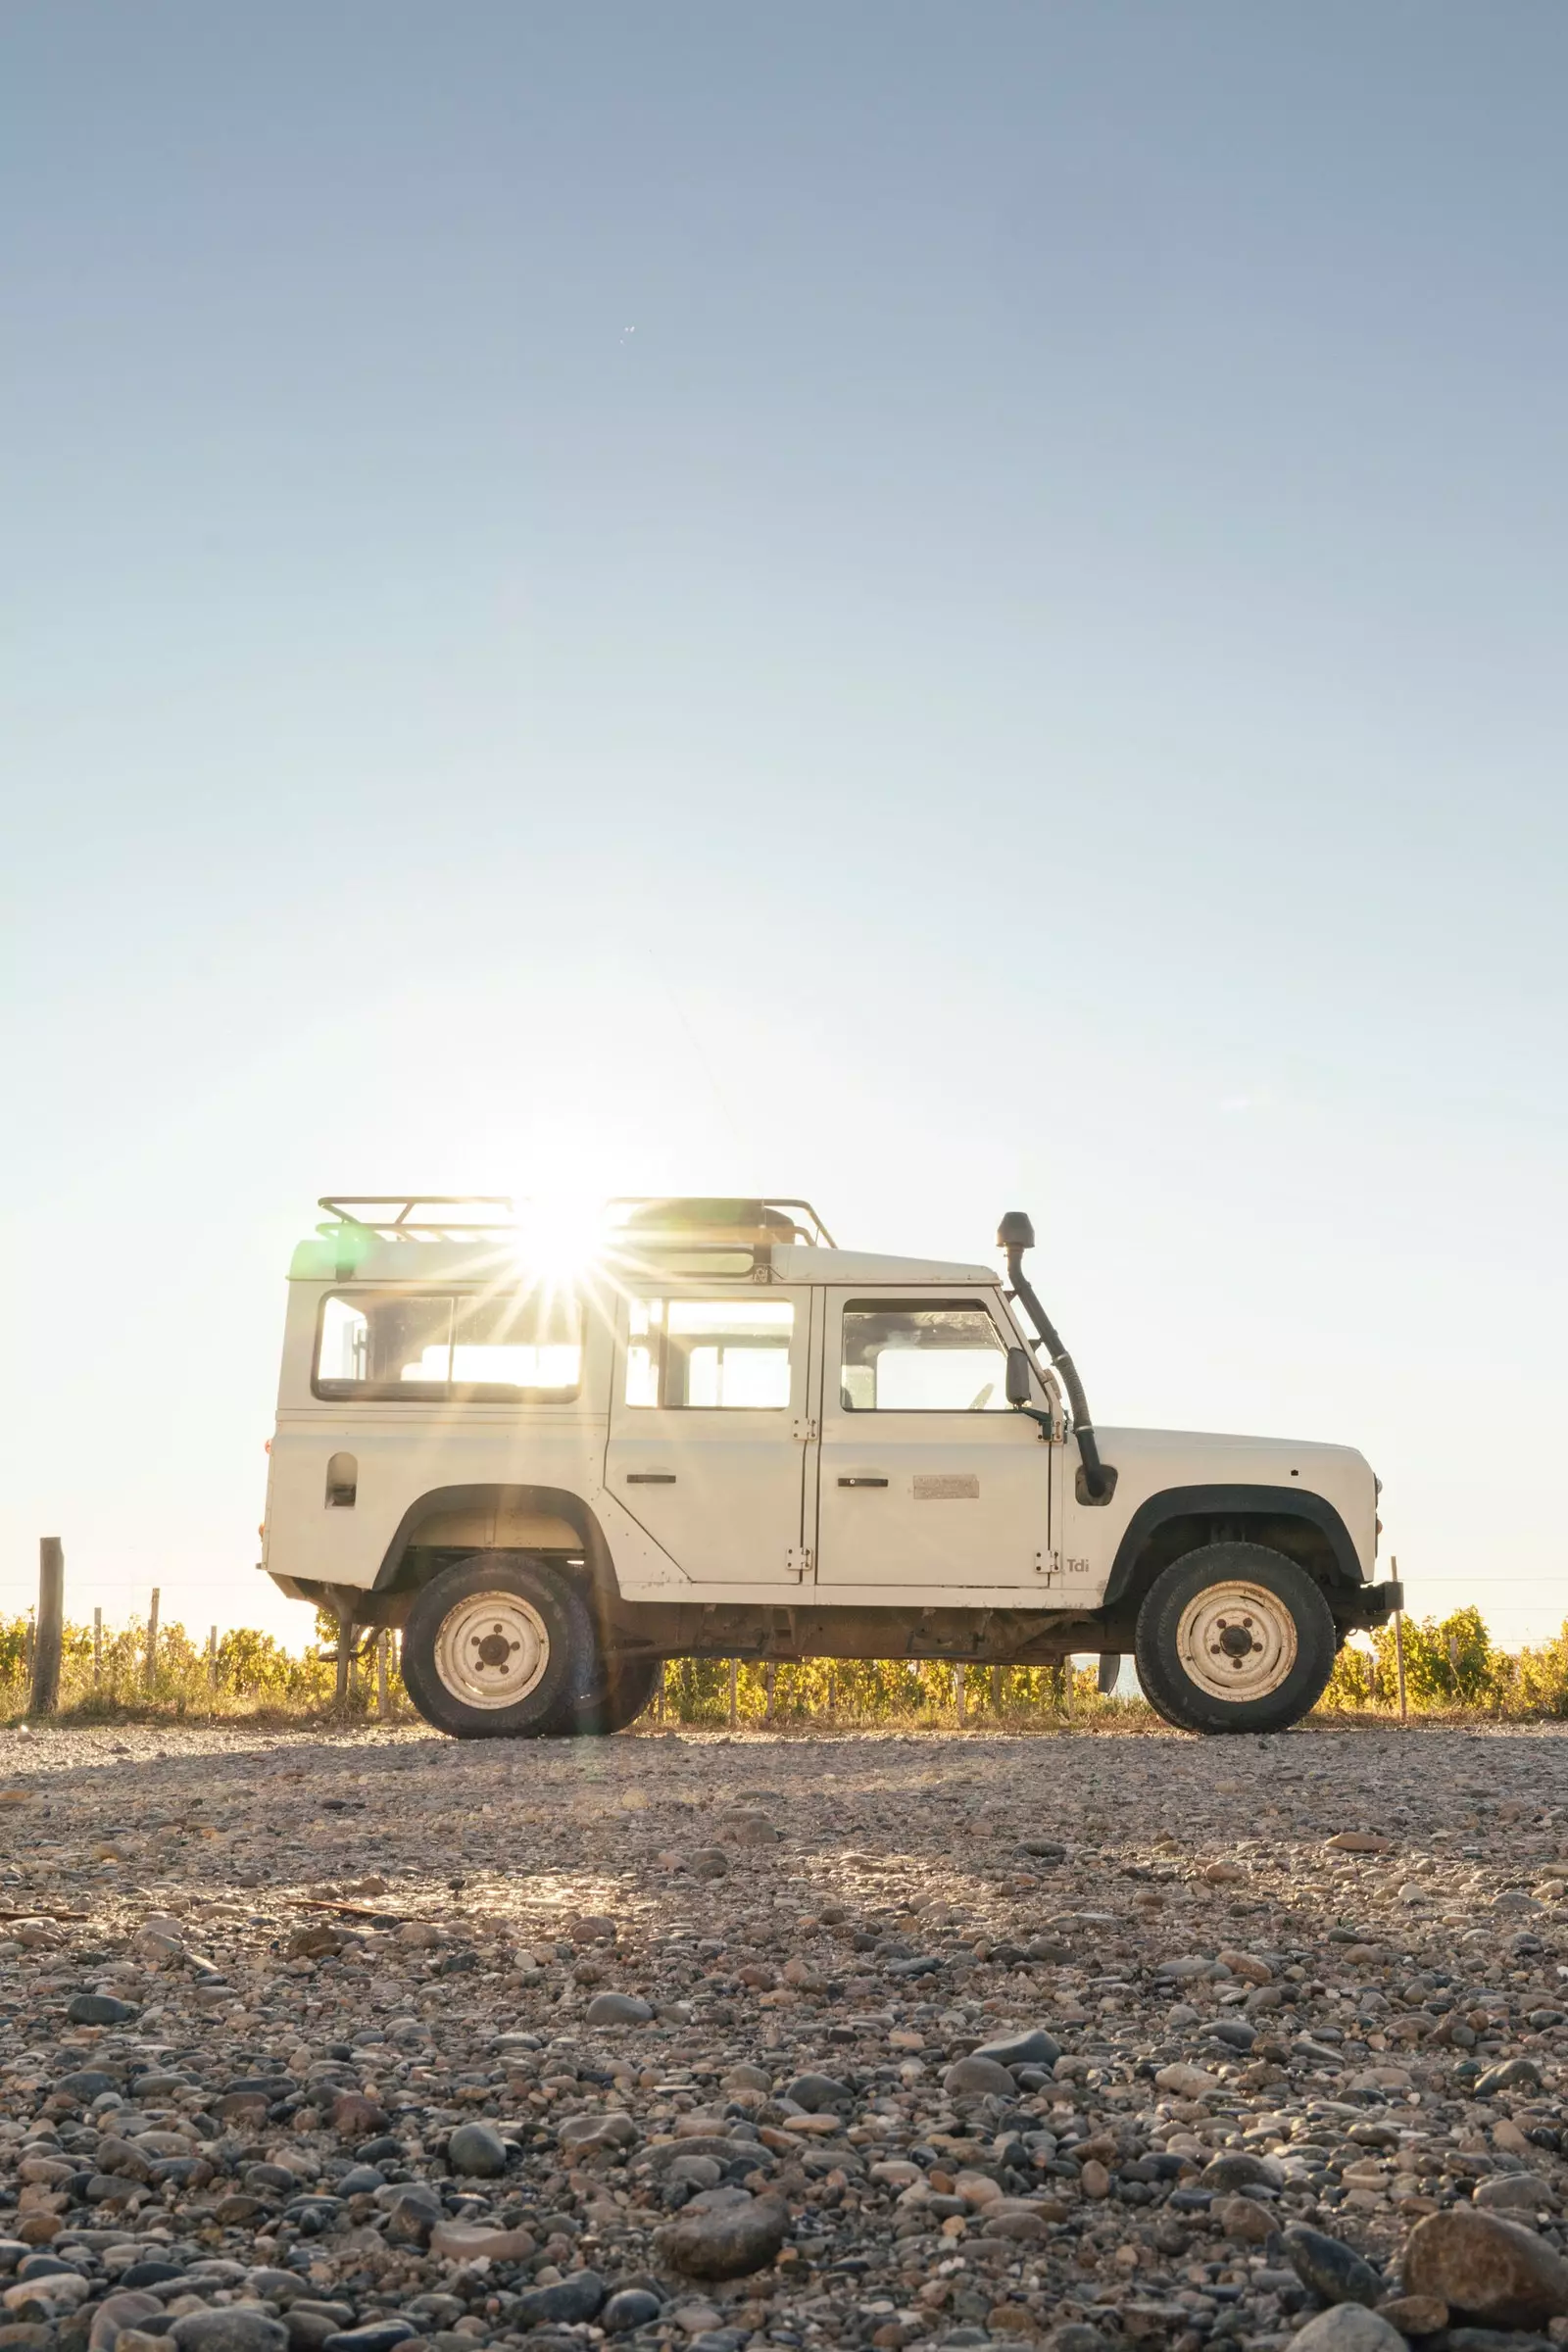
659	1694
959	1675
734	1692
97	1649
152	1640
383	1695
212	1658
51	1622
1398	1649
769	1671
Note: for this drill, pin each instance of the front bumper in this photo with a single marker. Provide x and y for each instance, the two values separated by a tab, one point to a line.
1372	1604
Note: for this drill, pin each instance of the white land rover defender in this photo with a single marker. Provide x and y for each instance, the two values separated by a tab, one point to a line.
720	1435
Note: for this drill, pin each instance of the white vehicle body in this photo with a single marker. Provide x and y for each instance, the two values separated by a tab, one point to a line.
807	1480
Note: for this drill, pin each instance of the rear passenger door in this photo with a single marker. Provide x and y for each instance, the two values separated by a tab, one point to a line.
928	1478
708	1429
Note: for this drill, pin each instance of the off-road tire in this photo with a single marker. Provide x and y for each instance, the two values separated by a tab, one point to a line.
497	1619
1190	1629
621	1691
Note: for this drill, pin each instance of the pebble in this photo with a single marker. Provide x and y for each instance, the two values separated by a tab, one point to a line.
1334	2271
729	2244
478	2149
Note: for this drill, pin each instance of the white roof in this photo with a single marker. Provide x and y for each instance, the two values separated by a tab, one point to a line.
366	1259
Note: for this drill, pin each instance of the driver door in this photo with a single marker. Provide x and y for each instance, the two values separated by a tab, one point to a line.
928	1478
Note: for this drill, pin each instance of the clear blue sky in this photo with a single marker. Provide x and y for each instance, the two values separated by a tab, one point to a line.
947	607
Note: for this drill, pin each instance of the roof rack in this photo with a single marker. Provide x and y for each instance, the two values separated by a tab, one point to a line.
646	1222
392	1215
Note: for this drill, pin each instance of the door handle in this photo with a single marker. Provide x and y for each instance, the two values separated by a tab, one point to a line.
862	1482
650	1478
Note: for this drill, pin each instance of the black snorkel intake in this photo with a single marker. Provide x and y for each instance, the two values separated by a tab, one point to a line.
1015	1235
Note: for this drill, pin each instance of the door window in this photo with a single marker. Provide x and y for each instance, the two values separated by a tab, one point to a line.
898	1357
724	1353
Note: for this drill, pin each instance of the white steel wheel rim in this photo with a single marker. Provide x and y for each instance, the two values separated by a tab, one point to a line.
1237	1641
491	1650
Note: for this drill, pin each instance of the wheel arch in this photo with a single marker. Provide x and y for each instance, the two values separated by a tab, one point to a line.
1166	1525
510	1511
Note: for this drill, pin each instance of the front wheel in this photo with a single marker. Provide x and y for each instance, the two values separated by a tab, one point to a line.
1234	1637
497	1647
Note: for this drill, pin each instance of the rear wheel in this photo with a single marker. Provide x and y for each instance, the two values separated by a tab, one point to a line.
497	1647
619	1697
1234	1637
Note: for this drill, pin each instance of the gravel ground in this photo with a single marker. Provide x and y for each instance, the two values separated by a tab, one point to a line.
325	2044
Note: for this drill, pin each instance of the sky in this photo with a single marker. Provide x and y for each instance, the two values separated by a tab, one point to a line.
941	607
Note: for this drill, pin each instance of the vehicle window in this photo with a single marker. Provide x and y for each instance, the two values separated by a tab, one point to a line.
724	1354
910	1357
418	1346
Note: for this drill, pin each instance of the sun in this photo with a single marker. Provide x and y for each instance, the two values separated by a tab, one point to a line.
561	1236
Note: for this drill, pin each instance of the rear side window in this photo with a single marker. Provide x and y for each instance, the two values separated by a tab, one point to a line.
725	1354
449	1346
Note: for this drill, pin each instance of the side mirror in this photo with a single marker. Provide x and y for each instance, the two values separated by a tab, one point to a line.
1019	1387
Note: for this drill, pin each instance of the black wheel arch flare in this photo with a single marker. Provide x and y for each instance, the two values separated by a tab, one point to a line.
1226	1511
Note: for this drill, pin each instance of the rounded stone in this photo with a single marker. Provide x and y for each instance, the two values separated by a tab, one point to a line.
233	2329
817	2094
729	2244
978	2079
618	2009
1489	2270
1349	2327
634	2307
477	2150
1334	2271
1035	2048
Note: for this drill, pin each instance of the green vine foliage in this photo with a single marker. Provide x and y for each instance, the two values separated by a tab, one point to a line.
1451	1666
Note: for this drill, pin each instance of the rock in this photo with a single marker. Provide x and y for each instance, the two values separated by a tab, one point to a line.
1349	2327
577	2298
818	2092
746	1829
729	2244
477	2150
612	2130
1245	2220
977	2079
1073	2335
1485	2269
1187	2082
1416	2315
98	2009
124	2310
707	1862
376	2335
1513	2074
618	2009
632	2307
1034	2048
1334	2271
236	2329
470	2242
1358	1842
353	2115
412	2214
592	1926
1236	2167
1525	2189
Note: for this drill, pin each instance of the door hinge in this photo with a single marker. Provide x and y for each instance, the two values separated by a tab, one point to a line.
1047	1566
798	1561
805	1431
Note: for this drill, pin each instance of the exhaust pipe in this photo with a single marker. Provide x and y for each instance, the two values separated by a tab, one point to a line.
1015	1235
